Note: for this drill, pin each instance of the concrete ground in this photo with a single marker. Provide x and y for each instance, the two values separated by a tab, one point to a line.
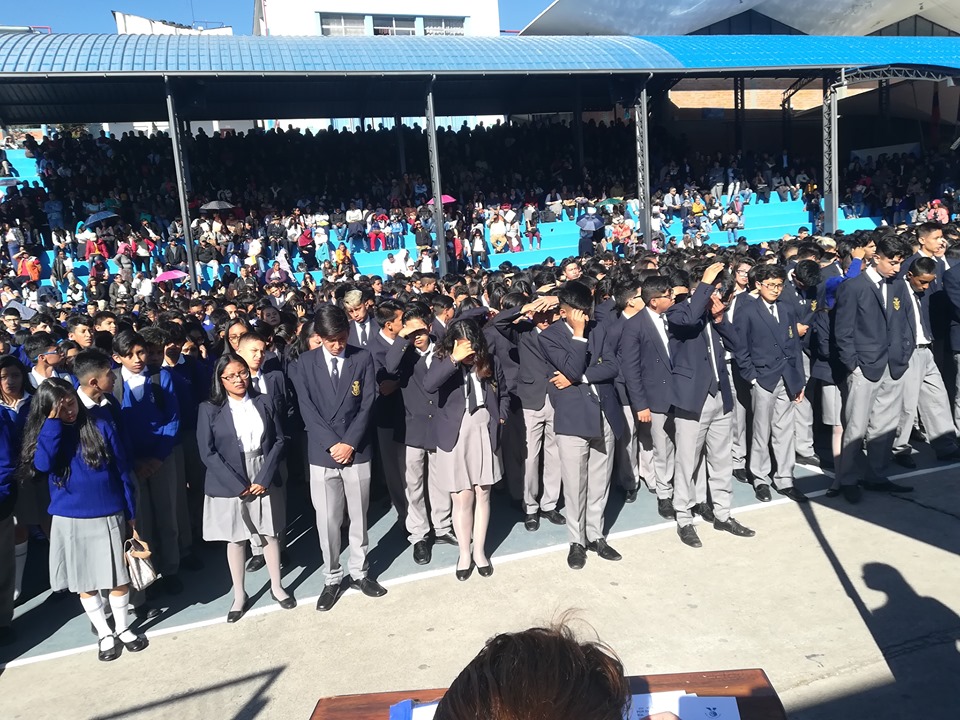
851	610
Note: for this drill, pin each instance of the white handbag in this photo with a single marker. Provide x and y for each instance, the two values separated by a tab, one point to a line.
137	554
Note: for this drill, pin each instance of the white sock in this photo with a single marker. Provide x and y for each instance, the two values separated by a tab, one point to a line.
93	606
20	551
121	616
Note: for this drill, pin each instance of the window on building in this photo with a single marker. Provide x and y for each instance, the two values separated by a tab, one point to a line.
442	26
390	25
338	25
916	26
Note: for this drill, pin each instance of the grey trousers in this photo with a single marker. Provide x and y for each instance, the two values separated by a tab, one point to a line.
393	462
8	571
421	471
586	466
626	454
664	454
956	394
541	436
158	516
703	440
333	491
871	414
741	415
513	452
803	427
924	391
773	424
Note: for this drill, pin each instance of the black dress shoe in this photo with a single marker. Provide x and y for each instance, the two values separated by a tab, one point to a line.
631	495
463	575
554	516
328	598
235	615
833	492
422	553
851	493
485	570
146	612
601	548
704	511
885	486
191	562
793	494
445	539
172	585
288	603
257	562
762	492
741	474
577	557
665	508
107	655
688	535
733	527
905	460
135	645
811	460
918	436
369	587
531	522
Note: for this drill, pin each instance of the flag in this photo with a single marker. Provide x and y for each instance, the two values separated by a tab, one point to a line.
935	119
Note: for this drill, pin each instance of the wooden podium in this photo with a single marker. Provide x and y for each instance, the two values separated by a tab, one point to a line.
756	697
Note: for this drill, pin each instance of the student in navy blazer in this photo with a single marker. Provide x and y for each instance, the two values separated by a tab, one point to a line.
703	400
587	418
242	452
472	405
336	389
769	358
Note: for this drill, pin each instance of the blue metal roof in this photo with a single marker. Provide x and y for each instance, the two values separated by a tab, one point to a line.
190	54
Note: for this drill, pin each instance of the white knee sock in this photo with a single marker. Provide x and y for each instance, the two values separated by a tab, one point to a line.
121	616
20	551
93	606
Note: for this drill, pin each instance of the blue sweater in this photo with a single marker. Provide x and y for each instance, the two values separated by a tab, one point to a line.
151	429
8	466
89	492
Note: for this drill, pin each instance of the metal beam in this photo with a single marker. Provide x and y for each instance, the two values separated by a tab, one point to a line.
831	185
739	111
640	110
178	165
434	152
578	126
401	150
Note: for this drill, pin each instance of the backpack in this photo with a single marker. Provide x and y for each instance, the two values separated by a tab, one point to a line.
153	380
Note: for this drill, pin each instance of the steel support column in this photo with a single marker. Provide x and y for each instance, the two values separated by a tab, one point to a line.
831	184
401	150
883	99
739	111
434	153
578	127
178	164
640	110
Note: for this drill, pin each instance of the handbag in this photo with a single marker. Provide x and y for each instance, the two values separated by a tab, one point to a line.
137	553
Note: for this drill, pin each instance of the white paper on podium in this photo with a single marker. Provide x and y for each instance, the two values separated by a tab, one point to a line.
708	708
644	704
424	712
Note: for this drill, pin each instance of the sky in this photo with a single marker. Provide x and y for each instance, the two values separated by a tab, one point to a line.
94	16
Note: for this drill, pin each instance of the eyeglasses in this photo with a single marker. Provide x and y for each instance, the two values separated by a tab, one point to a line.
48	352
236	377
743	272
776	287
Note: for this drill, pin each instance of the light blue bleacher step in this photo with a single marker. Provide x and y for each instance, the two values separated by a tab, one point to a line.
849	225
26	167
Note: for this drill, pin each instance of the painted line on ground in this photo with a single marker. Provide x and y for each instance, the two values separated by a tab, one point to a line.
439	572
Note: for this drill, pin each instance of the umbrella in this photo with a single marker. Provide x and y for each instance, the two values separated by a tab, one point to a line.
216	205
98	216
590	223
609	201
171	275
445	199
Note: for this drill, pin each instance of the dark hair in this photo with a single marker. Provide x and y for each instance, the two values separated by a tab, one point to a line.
418	310
386	311
75	320
517	675
12	361
654	286
125	341
90	362
807	273
252	336
624	291
218	396
331	321
576	295
769	271
891	246
155	336
923	265
927	228
37	343
439	303
93	448
470	331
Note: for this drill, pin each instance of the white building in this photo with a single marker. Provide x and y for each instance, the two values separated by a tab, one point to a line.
376	17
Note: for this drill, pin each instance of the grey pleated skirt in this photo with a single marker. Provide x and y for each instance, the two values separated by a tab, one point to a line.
471	462
86	554
237	519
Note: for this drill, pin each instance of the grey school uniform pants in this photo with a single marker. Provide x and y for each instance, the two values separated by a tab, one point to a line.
703	438
540	436
774	417
924	392
332	491
803	412
664	453
586	466
421	471
871	415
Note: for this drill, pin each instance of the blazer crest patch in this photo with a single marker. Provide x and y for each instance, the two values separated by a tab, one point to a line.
896	303
355	388
813	306
790	331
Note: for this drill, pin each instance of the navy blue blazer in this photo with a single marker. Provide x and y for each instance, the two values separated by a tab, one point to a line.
951	308
936	297
354	337
577	410
823	364
533	369
388	409
645	365
692	369
329	419
220	449
605	312
277	391
868	336
445	378
419	406
438	330
614	329
768	350
508	356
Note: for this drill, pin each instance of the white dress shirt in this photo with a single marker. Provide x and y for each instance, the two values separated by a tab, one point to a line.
328	359
247	423
134	382
658	324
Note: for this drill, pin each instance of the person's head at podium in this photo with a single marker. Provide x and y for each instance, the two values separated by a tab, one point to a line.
538	674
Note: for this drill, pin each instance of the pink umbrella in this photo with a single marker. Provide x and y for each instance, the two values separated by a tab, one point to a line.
445	199
171	275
